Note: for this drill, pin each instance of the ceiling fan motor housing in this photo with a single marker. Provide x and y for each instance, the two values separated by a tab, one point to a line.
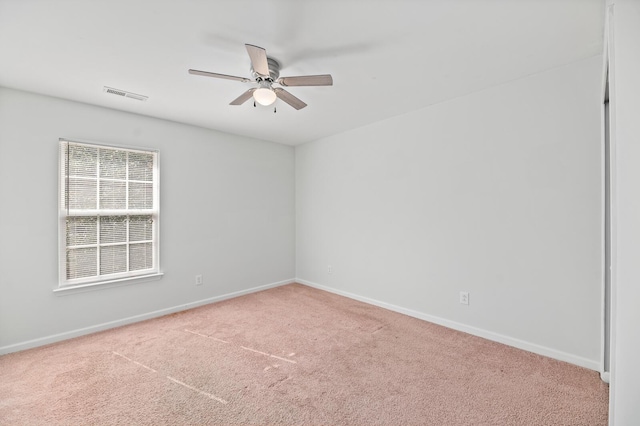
274	70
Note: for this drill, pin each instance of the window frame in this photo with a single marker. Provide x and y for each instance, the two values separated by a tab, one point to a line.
119	278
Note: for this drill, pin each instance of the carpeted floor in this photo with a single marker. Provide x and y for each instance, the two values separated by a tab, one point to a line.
293	355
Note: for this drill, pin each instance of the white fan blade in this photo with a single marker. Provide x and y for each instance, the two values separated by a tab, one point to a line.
243	98
216	75
307	80
258	58
289	98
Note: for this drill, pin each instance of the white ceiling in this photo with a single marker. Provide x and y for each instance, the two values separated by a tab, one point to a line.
387	57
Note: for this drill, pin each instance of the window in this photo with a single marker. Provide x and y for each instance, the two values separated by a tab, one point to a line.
109	213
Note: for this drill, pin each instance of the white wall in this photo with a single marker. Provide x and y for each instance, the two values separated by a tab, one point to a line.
624	26
497	193
227	212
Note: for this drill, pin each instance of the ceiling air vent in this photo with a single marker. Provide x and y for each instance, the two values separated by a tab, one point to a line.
124	94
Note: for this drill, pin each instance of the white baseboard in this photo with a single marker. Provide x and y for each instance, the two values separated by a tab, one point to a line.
489	335
130	320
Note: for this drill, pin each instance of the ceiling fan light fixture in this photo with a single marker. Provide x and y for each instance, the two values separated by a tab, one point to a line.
264	96
266	72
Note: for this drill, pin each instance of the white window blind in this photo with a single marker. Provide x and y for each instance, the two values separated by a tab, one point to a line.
109	213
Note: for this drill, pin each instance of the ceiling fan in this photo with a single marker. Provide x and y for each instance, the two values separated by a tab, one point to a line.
266	72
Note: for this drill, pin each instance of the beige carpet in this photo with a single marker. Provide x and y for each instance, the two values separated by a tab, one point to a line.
293	355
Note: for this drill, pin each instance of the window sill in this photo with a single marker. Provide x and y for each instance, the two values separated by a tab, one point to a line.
81	288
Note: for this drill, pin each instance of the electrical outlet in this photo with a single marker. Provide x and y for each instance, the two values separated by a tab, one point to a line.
330	269
198	279
464	297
